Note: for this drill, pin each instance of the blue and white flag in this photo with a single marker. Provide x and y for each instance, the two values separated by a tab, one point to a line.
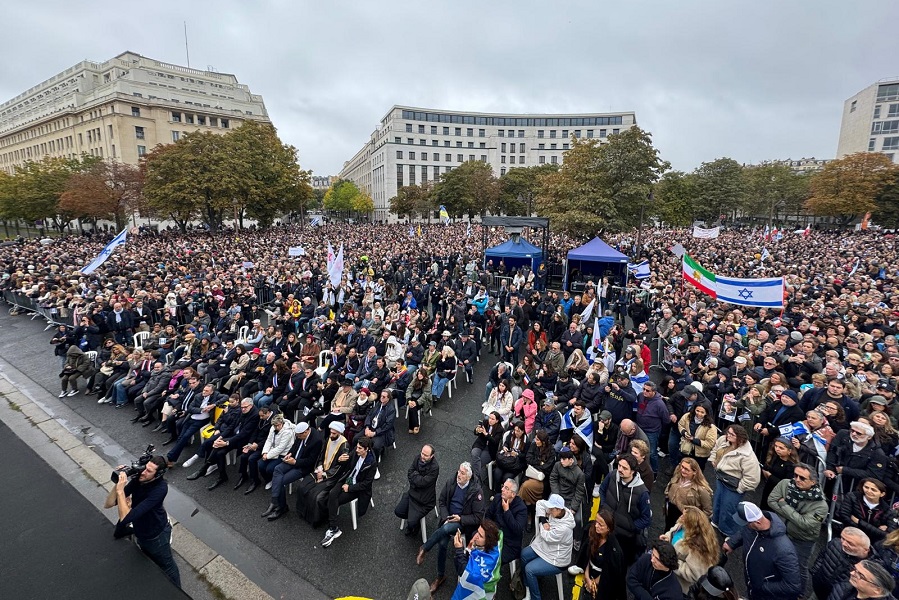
858	261
117	241
767	292
468	231
585	430
765	254
316	221
639	270
411	231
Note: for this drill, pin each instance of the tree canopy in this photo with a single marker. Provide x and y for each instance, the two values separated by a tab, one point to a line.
849	186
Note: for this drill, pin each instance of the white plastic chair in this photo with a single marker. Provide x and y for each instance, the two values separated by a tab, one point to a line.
139	338
242	334
323	363
91	356
559	583
353	503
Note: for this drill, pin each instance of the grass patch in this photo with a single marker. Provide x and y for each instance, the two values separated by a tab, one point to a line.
213	589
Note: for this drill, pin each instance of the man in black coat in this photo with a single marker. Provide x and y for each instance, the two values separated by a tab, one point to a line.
244	428
297	463
854	455
837	558
421	498
467	354
252	450
510	513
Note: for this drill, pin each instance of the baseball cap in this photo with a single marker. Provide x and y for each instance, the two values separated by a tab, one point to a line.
878	399
679	363
747	513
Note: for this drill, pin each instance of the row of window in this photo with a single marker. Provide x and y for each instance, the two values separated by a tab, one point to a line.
511	121
436	156
888	92
541	133
199	120
511	148
885	127
457	131
413	170
889	143
892	111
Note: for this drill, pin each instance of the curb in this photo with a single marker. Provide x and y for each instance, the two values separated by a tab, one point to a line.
218	572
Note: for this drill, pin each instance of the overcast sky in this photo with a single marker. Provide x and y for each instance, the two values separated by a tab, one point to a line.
749	80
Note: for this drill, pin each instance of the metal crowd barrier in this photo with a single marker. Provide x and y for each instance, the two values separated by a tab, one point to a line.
22	303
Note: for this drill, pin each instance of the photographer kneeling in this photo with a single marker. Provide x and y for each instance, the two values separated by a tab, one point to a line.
139	501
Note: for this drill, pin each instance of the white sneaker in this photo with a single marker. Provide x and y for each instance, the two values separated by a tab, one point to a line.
62	394
73	392
330	536
212	469
575	570
190	461
596	491
268	485
377	473
102	400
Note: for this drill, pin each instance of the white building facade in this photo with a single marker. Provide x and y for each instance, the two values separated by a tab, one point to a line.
120	109
412	146
871	121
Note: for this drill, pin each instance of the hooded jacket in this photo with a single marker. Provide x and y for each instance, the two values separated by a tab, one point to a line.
629	502
770	564
554	546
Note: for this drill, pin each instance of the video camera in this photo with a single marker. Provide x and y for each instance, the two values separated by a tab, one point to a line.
137	467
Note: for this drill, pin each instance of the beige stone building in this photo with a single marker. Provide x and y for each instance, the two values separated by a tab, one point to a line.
120	109
871	121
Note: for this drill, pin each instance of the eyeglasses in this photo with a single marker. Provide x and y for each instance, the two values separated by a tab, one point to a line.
854	571
798	477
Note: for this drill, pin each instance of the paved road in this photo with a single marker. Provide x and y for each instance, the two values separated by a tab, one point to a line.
57	545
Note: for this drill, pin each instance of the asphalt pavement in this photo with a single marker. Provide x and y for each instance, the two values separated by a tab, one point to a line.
57	545
376	561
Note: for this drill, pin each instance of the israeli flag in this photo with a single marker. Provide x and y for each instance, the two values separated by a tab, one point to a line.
117	241
411	231
585	430
639	270
767	292
468	231
765	255
316	221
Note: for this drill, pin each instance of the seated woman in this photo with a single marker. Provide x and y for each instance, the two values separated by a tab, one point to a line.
444	371
500	400
510	459
418	399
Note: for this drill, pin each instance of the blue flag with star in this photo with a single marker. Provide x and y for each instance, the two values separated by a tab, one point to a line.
768	292
117	241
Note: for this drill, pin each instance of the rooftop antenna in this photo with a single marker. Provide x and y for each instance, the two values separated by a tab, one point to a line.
186	48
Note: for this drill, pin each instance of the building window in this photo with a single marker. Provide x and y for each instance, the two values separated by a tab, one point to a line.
422	142
577	133
554	160
565	133
225	123
189	119
421	129
469	132
458	131
408	127
589	133
521	133
399	154
615	131
458	144
541	146
872	144
602	133
502	147
424	174
213	122
853	106
433	142
176	135
460	158
482	133
399	176
433	130
411	156
891	143
446	144
553	146
885	93
885	127
521	147
446	131
471	144
502	171
436	157
176	117
201	120
139	133
512	159
877	112
447	157
552	133
502	133
141	150
410	141
411	174
539	133
397	140
471	157
564	146
521	160
541	160
483	158
893	111
135	111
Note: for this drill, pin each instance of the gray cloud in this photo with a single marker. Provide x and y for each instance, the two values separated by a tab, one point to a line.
707	78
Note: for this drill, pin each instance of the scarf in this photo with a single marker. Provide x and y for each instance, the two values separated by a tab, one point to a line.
795	495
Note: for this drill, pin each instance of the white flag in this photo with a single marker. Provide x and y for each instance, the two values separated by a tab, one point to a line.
117	241
588	311
706	234
335	269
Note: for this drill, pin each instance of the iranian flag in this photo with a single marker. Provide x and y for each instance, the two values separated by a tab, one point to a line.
695	273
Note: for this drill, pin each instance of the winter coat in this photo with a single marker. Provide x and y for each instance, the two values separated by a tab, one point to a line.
77	361
652	416
279	442
423	483
803	523
870	461
832	567
472	504
629	502
705	435
771	565
512	523
554	546
740	463
568	483
620	403
640	582
869	519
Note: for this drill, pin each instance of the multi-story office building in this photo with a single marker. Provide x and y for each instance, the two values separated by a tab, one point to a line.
871	121
120	109
416	145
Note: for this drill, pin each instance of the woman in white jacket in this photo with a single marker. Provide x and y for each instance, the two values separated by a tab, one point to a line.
280	439
550	552
737	471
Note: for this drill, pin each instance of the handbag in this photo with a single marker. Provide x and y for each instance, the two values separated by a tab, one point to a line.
534	473
516	585
728	481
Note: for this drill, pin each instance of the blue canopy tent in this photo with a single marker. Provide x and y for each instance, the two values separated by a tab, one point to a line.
596	258
515	253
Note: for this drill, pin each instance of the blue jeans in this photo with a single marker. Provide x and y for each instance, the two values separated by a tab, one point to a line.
190	428
724	506
438	386
487	390
535	567
441	538
262	399
674	454
159	549
120	392
654	450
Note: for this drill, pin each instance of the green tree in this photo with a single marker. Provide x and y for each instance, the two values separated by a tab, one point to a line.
363	204
413	200
39	185
470	189
719	188
849	186
269	181
519	188
341	196
630	165
576	198
772	189
674	197
887	212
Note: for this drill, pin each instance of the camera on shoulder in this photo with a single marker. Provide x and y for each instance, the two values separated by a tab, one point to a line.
137	467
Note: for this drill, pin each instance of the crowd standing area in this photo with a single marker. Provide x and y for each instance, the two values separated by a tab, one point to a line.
767	435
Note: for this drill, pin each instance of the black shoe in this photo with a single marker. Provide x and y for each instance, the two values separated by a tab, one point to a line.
240	481
217	483
251	489
158	427
272	508
137	418
197	474
147	423
171	440
279	512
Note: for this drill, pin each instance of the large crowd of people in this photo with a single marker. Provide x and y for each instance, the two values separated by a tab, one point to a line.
759	429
